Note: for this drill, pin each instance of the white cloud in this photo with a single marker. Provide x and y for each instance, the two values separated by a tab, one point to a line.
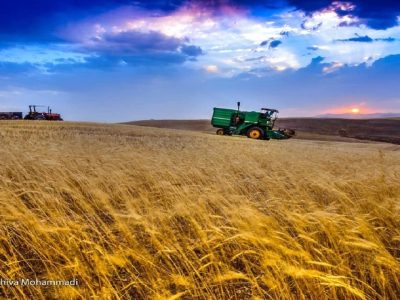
332	67
232	42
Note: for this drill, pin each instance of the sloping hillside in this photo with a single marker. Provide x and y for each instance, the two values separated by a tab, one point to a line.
384	130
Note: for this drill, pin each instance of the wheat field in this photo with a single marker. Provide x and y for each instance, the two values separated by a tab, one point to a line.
143	213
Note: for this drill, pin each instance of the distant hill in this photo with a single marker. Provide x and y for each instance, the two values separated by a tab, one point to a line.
383	130
360	116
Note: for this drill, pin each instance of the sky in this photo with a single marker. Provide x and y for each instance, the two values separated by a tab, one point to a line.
123	60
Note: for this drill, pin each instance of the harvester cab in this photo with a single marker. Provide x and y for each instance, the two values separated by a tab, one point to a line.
271	114
255	125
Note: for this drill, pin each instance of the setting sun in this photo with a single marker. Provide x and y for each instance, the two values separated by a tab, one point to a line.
355	109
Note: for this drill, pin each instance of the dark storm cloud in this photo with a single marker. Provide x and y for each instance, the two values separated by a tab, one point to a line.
191	50
136	42
111	51
138	47
271	43
349	23
37	21
131	48
313	28
378	14
275	44
383	67
361	39
34	20
367	39
166	6
389	39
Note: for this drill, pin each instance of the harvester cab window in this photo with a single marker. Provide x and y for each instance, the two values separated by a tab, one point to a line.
237	120
267	113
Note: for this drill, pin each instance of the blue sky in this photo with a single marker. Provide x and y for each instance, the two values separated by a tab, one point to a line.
120	60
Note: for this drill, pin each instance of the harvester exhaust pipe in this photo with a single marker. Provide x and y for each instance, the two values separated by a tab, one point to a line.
238	105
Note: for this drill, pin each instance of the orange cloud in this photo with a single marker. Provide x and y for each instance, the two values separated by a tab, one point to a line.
211	69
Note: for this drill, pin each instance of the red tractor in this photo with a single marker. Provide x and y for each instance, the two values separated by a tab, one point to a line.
35	115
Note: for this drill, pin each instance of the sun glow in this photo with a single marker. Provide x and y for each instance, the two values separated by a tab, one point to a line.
211	69
355	108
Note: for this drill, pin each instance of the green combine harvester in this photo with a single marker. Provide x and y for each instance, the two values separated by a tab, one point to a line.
255	125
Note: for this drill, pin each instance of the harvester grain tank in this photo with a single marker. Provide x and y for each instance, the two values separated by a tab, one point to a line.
255	125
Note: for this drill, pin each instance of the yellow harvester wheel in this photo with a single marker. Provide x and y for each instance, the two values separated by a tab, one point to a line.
220	132
255	133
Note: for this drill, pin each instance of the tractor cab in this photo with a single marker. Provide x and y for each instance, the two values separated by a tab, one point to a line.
33	114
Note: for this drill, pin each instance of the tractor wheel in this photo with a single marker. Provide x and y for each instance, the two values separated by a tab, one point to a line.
220	132
255	133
